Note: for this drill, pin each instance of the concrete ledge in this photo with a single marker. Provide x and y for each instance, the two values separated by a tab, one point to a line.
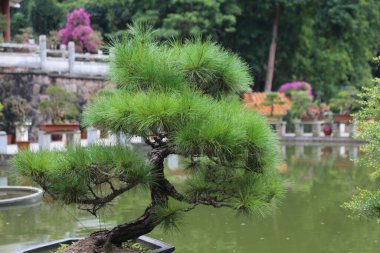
156	245
32	195
325	139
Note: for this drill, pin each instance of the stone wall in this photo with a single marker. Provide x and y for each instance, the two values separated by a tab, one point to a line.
32	86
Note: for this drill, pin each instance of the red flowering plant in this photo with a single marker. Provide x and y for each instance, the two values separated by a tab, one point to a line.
78	29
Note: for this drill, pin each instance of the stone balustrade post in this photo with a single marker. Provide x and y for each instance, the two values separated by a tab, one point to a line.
3	142
316	128
93	135
43	52
298	128
280	128
336	130
352	130
44	140
71	49
73	138
342	128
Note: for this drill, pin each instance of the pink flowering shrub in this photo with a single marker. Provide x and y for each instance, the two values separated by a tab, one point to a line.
296	85
78	29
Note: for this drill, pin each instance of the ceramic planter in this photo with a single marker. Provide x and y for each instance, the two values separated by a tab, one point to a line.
327	130
59	127
156	245
23	145
342	118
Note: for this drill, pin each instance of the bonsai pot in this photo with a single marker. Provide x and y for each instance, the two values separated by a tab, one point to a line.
309	119
83	134
10	139
342	118
56	137
23	145
59	127
156	246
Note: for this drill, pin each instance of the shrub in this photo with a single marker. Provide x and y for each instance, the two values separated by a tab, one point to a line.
78	29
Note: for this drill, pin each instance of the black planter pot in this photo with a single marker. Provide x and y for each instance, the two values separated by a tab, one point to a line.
156	245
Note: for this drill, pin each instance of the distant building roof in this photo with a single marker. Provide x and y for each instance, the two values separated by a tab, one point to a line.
254	100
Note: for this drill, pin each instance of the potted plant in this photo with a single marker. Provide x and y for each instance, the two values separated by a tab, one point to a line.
345	102
176	112
301	103
17	119
272	99
59	110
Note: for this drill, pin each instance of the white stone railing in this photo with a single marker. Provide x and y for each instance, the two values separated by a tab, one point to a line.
38	57
338	129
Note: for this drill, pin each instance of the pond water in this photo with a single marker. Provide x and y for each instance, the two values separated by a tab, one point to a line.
310	218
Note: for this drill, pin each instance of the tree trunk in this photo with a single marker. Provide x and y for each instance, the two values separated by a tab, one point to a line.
272	51
145	223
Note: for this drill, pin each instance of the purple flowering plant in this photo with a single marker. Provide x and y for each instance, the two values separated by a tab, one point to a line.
78	29
287	88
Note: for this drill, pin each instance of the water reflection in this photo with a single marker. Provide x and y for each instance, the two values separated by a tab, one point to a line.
309	220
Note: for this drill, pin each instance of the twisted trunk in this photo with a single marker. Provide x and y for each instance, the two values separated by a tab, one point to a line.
146	222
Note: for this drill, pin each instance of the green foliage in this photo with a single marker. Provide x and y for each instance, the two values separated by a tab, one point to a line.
346	101
135	246
25	35
366	203
62	246
1	110
77	174
301	103
45	16
271	99
315	38
141	64
16	109
60	105
3	23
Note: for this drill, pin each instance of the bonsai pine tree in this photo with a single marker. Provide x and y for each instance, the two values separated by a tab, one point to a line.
183	98
15	110
301	103
346	101
60	106
271	99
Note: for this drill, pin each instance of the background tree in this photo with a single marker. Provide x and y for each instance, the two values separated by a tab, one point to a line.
41	15
45	16
313	38
60	105
346	101
3	24
183	99
16	109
